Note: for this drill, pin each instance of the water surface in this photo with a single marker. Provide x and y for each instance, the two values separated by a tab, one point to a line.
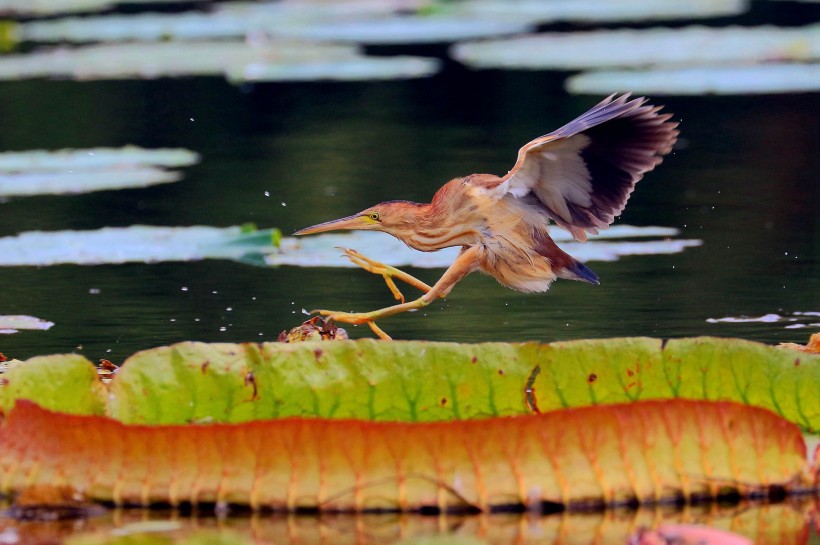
743	180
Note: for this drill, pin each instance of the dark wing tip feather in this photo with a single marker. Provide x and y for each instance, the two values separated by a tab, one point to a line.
627	139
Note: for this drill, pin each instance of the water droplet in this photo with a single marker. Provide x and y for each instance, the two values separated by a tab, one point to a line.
184	288
229	309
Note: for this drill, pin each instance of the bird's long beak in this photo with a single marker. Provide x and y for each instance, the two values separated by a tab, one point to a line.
350	222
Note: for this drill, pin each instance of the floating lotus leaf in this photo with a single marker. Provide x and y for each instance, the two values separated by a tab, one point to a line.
375	22
647	452
412	425
279	60
78	171
273	21
356	69
138	243
699	80
601	11
429	381
11	323
56	183
94	159
632	48
66	383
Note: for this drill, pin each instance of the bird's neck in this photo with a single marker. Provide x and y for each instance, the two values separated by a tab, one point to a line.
439	227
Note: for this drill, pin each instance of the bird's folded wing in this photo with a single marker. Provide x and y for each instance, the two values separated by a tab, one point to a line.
584	172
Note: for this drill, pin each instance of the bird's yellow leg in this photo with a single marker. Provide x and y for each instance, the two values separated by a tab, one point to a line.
461	267
387	272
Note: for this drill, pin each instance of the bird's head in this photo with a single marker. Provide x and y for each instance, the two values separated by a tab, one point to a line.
398	218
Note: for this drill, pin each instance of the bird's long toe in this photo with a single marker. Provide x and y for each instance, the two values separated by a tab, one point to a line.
355	318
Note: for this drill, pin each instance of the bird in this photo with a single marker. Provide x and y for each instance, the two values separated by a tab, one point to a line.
579	177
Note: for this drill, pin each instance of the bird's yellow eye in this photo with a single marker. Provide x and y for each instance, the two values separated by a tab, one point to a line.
374	216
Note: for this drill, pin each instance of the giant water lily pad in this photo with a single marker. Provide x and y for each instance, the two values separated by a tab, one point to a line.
633	48
645	452
406	29
95	159
139	243
56	183
362	22
273	21
493	441
51	7
40	172
427	381
278	60
719	80
12	323
599	10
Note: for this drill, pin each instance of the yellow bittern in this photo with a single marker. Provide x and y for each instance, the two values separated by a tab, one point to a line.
579	176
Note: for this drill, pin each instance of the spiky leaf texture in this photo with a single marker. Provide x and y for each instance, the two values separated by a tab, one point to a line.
648	452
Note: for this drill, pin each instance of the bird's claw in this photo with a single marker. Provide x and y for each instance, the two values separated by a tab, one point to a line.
385	271
376	267
355	318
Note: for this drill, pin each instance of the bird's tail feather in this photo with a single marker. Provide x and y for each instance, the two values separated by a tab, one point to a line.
578	271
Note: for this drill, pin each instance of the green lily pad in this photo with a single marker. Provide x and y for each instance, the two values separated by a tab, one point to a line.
698	80
66	383
138	243
59	183
652	47
271	20
406	29
94	159
423	381
279	60
600	10
427	381
640	424
40	172
13	323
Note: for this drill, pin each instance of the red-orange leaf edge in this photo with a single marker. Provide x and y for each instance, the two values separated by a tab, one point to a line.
643	451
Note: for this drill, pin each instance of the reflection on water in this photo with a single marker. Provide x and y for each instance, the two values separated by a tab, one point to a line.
765	525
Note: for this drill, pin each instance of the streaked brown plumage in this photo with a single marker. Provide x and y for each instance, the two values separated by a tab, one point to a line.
579	176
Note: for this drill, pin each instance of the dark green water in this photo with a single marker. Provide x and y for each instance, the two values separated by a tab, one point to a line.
744	180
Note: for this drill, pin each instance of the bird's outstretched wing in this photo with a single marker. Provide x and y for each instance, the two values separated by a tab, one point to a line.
584	172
